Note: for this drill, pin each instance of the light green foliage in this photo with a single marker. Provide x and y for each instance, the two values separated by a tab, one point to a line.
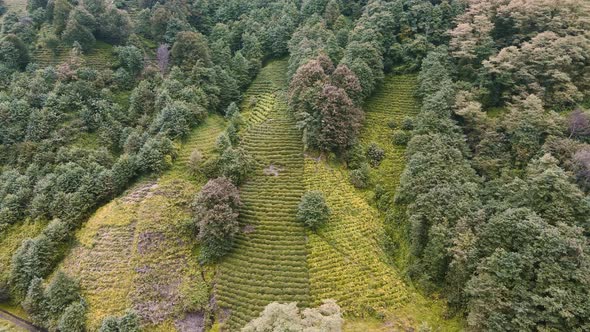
130	58
288	318
312	210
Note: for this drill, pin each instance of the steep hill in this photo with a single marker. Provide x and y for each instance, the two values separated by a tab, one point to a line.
269	261
277	260
137	252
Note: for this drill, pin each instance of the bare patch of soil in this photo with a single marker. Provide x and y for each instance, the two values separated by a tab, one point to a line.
140	193
272	170
192	322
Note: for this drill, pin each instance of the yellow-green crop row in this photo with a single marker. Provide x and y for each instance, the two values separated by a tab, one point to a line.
268	262
345	259
393	101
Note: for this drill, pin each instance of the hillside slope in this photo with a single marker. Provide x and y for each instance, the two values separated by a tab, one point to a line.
346	259
137	252
269	261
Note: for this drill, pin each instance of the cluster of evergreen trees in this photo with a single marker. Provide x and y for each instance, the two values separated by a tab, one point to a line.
497	214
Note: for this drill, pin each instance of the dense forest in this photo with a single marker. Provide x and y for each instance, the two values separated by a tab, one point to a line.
291	205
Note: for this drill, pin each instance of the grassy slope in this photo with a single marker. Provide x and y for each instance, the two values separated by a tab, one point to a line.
269	261
345	258
16	5
393	101
6	326
135	253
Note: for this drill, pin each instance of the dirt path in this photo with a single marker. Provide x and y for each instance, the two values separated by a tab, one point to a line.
5	315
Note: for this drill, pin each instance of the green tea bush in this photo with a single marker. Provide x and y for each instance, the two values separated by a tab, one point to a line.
401	137
375	154
360	177
313	211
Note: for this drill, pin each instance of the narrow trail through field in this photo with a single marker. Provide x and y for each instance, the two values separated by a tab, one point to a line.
19	322
269	261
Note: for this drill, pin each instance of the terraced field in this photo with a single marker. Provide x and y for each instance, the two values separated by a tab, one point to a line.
393	101
269	261
345	259
137	251
100	57
16	5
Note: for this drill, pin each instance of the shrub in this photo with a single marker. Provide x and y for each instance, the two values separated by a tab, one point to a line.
235	164
375	154
74	318
401	137
392	124
222	143
287	317
313	211
355	157
109	324
360	177
231	110
216	214
195	162
407	124
128	323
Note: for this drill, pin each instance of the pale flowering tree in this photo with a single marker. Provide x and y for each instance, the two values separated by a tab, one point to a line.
163	57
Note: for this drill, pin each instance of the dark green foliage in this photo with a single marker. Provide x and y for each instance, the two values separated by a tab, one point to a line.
115	27
355	157
527	268
312	210
74	318
360	177
59	305
130	58
127	323
235	164
76	32
35	257
60	293
35	302
375	154
109	324
216	214
13	52
401	137
156	155
190	48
